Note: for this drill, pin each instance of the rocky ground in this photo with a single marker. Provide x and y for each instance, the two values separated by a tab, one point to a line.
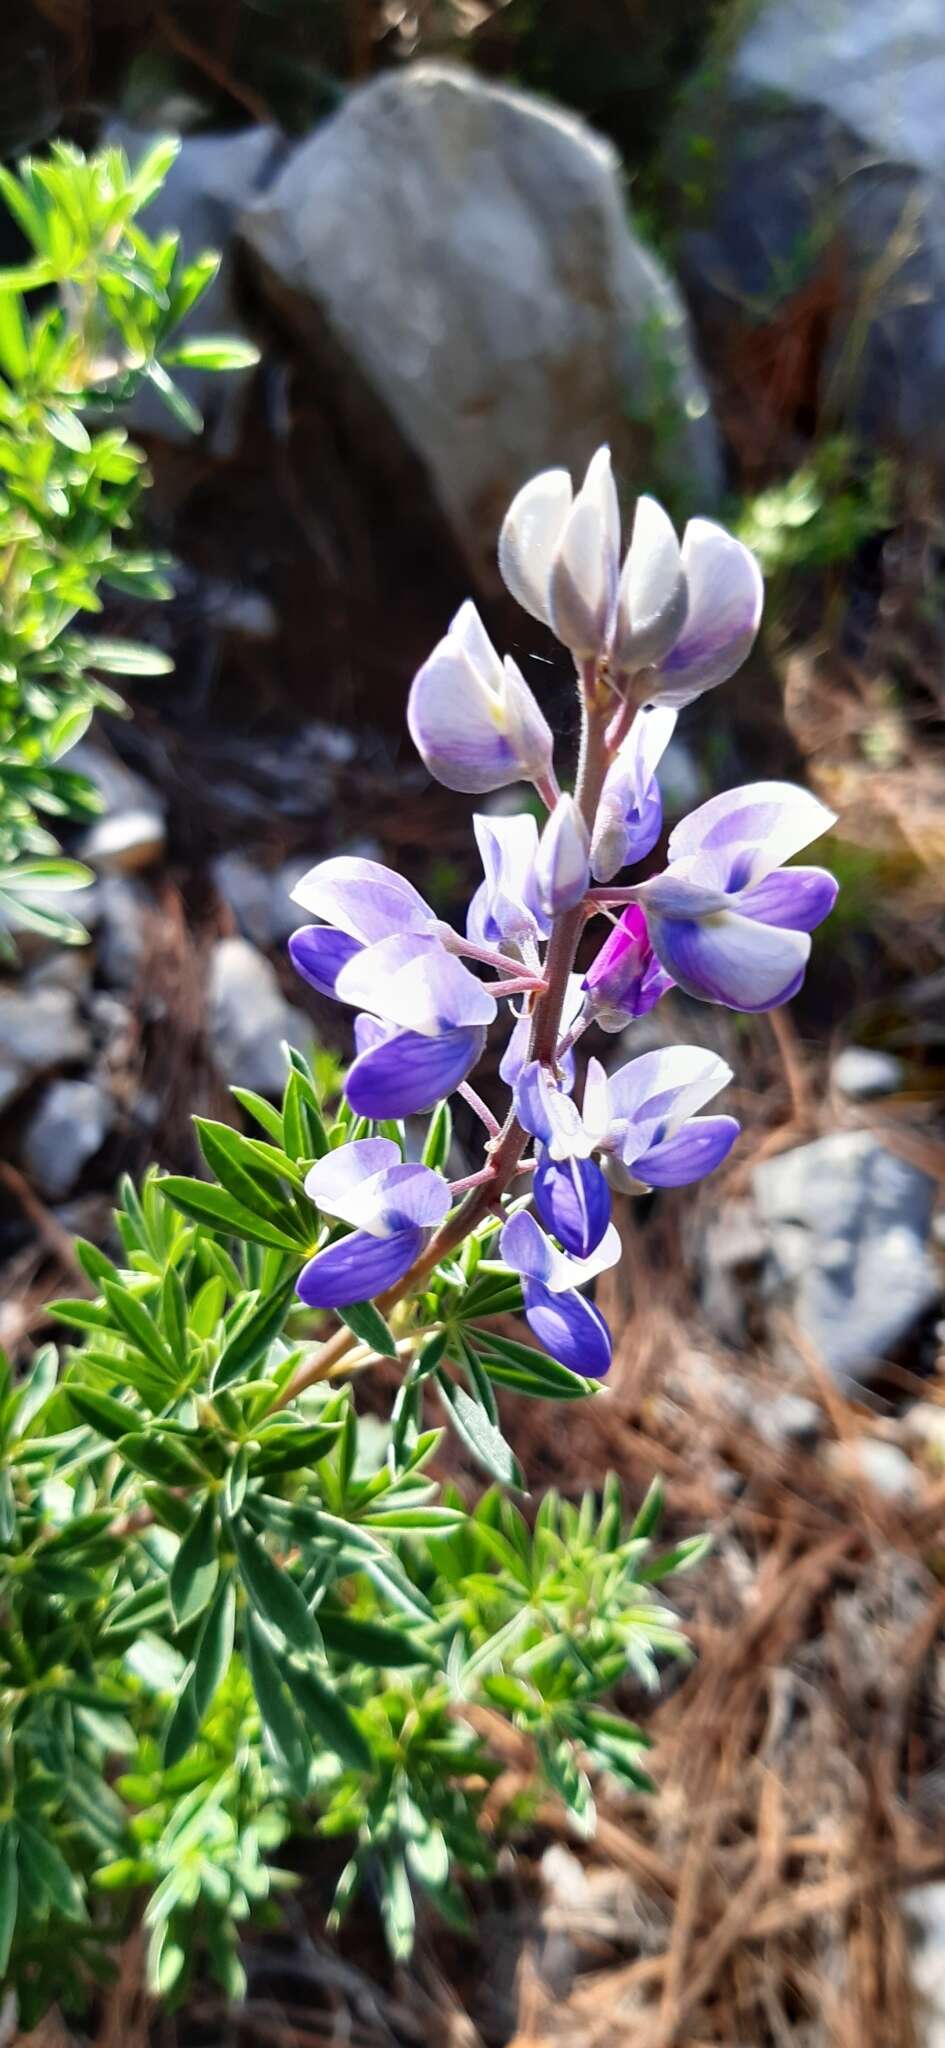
450	294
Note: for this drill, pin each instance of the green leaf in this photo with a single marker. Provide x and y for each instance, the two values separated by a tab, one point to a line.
682	1558
49	1871
46	874
397	1908
100	1412
650	1514
326	1714
196	1566
439	1138
282	1722
9	1889
273	1593
526	1371
253	1339
67	428
14	342
366	1322
133	1318
160	1458
215	1645
289	1445
245	1167
175	399
127	658
483	1440
265	1113
371	1642
212	352
205	1203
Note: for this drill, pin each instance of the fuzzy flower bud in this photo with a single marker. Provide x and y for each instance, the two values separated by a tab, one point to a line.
562	870
473	718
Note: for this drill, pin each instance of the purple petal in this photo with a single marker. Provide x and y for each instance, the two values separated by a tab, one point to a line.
569	1328
525	1247
750	831
652	600
731	960
795	899
725	599
407	1073
335	1182
363	898
370	1032
656	1093
625	980
411	1197
530	533
357	1268
413	982
472	718
573	1200
698	1148
318	952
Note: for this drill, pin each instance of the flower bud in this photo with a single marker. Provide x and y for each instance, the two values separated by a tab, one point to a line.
473	718
626	979
562	869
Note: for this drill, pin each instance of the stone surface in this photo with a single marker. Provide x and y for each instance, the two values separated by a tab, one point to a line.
248	1017
732	1252
883	1466
825	178
848	1229
39	1029
789	1422
923	1426
123	908
924	1911
202	195
861	1073
68	1128
126	842
460	261
247	891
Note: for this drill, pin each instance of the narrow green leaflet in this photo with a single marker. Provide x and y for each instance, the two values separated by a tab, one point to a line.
483	1440
195	1568
272	1591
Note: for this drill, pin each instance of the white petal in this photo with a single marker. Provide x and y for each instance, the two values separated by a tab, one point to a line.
763	824
586	564
529	536
652	601
725	600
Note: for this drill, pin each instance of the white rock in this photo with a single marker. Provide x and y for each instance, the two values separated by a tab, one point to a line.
924	1426
848	1227
924	1909
249	1017
860	1072
883	1466
70	1125
126	842
248	892
465	253
124	907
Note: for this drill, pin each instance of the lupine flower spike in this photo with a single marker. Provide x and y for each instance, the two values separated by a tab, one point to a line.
723	918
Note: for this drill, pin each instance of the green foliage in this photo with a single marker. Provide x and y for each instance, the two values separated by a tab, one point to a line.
85	320
230	1611
822	513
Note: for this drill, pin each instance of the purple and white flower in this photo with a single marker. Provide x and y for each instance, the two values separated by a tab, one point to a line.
640	1121
568	1325
391	1204
688	613
473	718
382	951
728	922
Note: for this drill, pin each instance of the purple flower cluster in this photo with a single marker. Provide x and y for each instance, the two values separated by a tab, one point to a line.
726	920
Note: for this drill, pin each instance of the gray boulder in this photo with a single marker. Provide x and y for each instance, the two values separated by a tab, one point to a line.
828	162
39	1029
862	1072
848	1227
460	261
69	1127
249	1018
